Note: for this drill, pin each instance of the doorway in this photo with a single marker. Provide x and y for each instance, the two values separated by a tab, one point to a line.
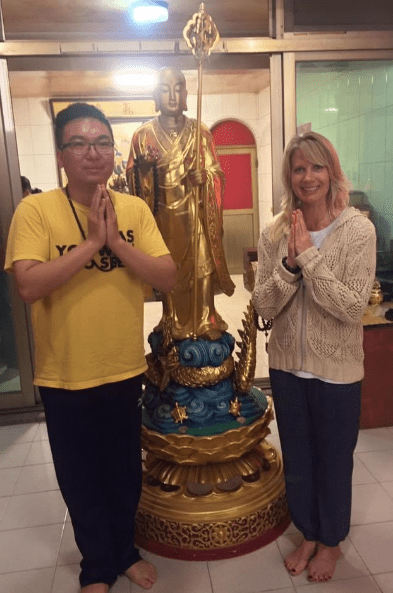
236	148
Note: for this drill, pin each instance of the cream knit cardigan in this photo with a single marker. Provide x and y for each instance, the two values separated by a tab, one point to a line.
317	323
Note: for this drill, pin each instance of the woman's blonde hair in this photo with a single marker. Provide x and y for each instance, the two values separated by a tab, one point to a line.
319	151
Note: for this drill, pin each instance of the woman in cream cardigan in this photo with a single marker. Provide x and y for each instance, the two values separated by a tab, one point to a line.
316	267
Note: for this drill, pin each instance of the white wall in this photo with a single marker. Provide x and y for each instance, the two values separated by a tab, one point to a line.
252	109
34	134
36	148
265	158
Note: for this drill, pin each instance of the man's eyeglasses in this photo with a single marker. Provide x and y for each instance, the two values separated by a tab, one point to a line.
81	147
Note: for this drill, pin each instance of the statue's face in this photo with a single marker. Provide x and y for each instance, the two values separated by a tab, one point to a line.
171	93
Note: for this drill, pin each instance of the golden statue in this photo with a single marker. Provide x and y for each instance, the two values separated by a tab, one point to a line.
162	170
213	488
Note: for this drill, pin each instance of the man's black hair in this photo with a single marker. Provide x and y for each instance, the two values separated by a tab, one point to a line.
26	185
77	111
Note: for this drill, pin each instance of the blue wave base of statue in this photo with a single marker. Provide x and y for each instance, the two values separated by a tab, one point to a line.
207	407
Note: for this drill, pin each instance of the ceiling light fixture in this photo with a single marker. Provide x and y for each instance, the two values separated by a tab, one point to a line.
136	79
147	12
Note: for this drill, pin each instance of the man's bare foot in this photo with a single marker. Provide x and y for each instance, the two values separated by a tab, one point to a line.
322	566
96	588
142	573
298	560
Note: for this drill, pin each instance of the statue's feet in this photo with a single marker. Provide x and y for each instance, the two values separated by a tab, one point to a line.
298	560
208	331
212	334
321	568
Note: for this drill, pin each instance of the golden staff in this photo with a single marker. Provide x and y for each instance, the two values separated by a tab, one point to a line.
201	36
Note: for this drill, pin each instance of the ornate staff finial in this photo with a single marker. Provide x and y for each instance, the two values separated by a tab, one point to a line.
201	34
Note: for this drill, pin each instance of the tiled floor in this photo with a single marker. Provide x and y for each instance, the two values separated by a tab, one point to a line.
38	552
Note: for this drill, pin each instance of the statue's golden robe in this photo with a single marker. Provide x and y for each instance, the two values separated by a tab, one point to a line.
176	221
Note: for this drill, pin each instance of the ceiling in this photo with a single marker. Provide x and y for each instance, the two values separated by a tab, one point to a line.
100	84
108	19
76	20
98	20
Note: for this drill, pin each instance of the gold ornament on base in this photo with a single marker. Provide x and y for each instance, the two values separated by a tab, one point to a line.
376	296
235	407
245	367
179	413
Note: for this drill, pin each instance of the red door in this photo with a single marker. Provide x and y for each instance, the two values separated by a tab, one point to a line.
237	154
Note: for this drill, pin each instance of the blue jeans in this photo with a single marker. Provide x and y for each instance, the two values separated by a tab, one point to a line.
94	436
318	423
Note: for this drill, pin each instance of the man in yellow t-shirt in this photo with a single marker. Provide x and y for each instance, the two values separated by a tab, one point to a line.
80	257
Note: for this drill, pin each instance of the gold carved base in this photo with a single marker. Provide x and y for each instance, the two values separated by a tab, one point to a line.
212	511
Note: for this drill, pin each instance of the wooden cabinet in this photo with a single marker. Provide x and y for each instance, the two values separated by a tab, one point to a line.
377	388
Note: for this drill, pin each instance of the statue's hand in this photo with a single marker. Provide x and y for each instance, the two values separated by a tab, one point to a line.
197	177
147	159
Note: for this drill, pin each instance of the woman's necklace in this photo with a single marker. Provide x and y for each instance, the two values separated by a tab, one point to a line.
82	232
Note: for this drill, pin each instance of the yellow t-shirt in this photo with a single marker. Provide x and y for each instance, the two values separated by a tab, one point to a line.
89	331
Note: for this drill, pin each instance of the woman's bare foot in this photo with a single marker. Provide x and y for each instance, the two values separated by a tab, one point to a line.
298	560
96	588
322	566
142	573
